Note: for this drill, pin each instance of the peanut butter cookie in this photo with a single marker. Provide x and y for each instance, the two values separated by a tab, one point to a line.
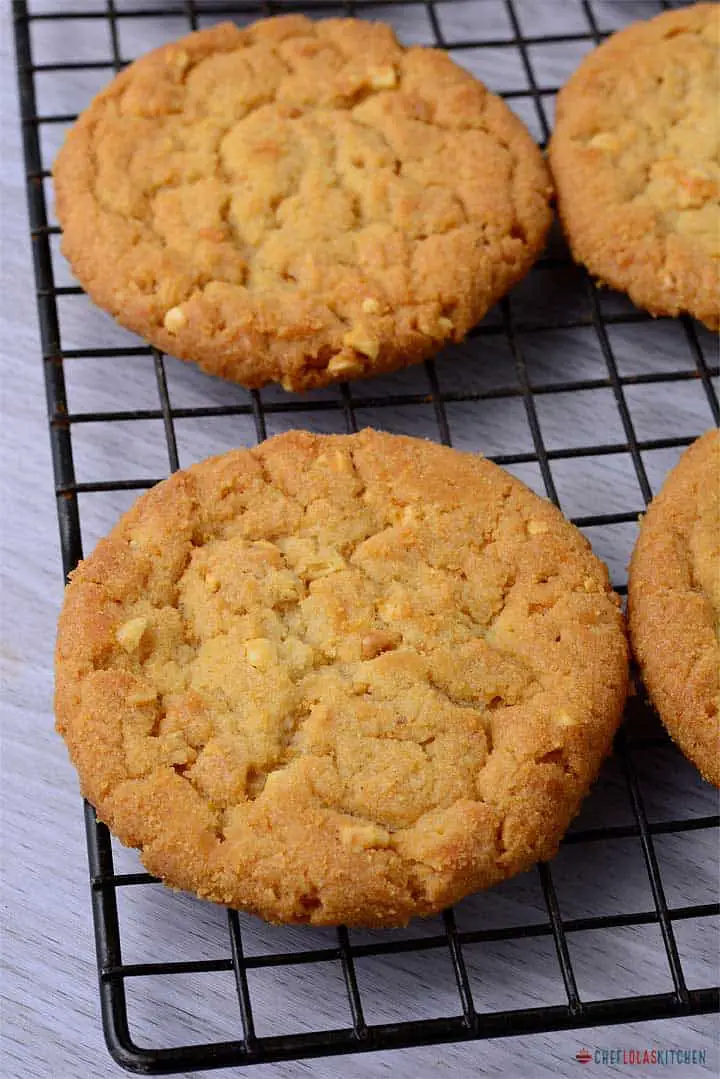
340	678
299	202
674	603
635	160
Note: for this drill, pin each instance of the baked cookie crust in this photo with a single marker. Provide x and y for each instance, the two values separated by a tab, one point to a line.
634	157
674	603
300	202
340	678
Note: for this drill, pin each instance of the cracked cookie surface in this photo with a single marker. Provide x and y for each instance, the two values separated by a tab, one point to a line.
340	678
674	603
636	160
299	202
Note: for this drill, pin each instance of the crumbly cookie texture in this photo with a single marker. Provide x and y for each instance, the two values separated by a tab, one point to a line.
674	603
340	678
635	159
299	202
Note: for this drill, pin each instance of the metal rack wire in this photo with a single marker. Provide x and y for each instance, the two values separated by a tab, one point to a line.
106	884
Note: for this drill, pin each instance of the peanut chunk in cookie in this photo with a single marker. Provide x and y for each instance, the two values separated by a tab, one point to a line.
130	633
175	320
261	653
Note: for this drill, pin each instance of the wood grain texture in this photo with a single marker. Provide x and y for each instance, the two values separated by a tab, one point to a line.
49	1018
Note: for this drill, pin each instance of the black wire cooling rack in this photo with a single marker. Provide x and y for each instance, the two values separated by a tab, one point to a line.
468	1021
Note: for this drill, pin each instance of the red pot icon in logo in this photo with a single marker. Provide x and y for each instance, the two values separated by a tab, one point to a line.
583	1057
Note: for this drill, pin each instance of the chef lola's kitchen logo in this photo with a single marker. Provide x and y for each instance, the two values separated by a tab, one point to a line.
663	1058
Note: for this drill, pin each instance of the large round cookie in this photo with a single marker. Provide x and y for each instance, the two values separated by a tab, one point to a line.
299	202
340	678
635	160
674	603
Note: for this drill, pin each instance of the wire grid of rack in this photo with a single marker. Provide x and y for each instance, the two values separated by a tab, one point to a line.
468	1022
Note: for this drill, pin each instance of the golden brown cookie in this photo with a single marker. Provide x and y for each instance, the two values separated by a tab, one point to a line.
674	603
634	156
299	202
340	678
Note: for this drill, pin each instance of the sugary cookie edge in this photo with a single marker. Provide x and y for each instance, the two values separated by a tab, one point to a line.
668	621
670	283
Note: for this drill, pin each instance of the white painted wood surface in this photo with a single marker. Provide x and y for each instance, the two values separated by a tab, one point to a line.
49	1020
